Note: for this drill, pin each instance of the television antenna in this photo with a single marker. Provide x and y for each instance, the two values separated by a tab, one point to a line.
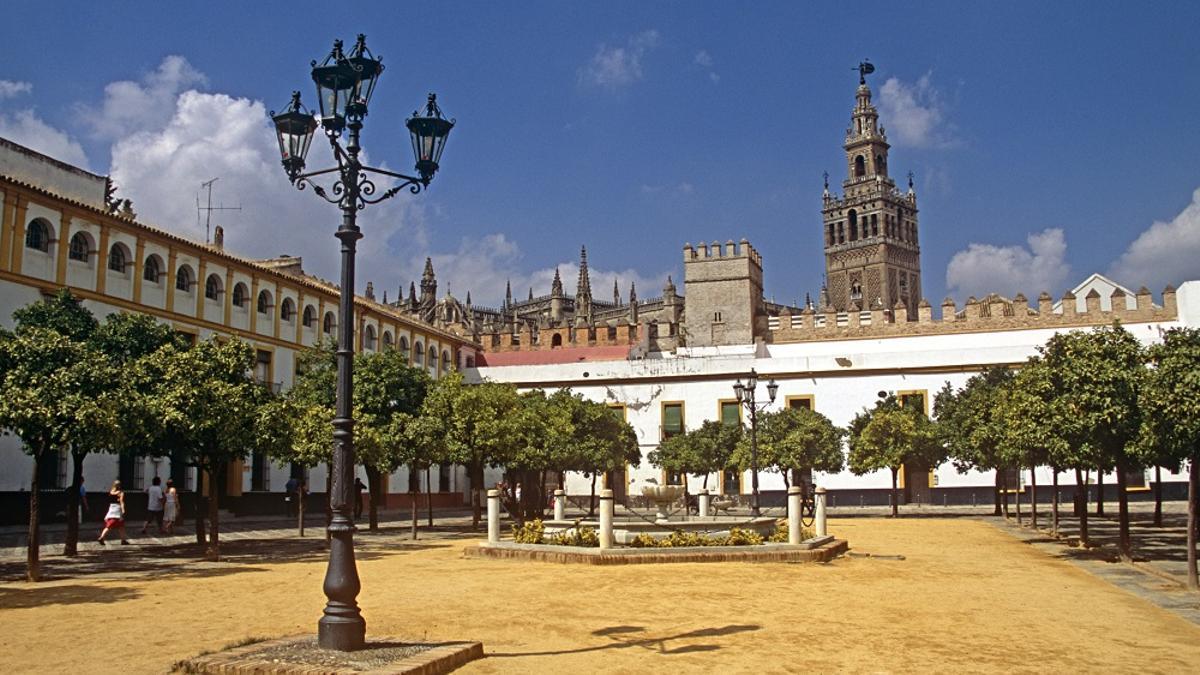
209	208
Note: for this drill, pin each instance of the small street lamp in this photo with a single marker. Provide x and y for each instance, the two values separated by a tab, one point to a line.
745	394
344	87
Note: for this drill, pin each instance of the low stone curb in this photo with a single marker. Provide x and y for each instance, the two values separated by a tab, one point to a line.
823	552
443	658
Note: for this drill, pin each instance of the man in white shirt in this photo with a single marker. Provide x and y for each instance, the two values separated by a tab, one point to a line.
154	505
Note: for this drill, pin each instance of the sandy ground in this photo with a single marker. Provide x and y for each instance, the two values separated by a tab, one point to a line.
966	598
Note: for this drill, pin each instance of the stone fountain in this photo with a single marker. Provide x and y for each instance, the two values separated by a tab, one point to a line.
662	496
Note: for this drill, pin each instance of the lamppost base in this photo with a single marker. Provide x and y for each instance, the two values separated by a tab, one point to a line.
343	634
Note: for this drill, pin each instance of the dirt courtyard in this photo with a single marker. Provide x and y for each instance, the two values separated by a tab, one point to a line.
967	597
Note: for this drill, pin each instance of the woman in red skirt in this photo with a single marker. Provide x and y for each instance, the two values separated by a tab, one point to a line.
116	513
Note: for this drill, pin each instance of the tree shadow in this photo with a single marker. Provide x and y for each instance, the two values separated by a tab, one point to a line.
626	637
42	595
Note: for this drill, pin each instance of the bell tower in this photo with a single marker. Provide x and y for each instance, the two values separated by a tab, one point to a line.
872	253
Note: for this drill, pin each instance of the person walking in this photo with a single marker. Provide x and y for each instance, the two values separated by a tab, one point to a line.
170	507
358	497
115	518
154	505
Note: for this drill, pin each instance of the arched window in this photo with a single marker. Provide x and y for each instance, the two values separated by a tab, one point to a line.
387	340
369	338
404	347
874	224
879	164
118	256
310	316
329	324
37	235
841	232
239	294
212	287
829	241
79	247
470	361
860	166
152	269
556	340
264	302
431	357
287	311
418	353
183	279
445	361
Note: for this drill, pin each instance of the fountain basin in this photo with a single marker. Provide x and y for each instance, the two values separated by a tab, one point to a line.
625	530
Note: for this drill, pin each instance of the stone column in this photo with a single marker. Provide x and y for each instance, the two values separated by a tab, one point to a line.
704	502
606	519
795	497
560	505
822	530
493	506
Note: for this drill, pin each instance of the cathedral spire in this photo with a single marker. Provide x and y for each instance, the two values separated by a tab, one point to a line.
583	289
508	301
556	289
616	294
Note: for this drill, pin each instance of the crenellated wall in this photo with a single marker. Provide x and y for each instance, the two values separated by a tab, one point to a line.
989	314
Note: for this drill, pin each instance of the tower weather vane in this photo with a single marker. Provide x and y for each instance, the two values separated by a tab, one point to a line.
864	68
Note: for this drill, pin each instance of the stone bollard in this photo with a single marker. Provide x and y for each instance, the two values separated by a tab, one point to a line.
703	498
560	505
493	497
795	502
822	530
606	519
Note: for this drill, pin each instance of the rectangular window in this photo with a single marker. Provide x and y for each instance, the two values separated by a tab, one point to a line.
731	413
732	483
913	398
798	402
618	410
717	317
189	338
672	420
1135	480
262	366
444	477
139	473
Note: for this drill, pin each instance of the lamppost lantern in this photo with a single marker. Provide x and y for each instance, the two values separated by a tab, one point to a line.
752	380
739	390
345	84
429	133
772	389
745	394
294	129
344	88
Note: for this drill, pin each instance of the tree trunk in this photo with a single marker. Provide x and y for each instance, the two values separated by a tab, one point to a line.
71	546
1017	495
476	473
213	552
996	492
1157	496
562	480
200	504
895	495
786	482
1123	542
414	489
541	494
1004	491
591	497
1054	497
1033	497
300	506
374	484
415	517
429	495
1193	522
32	549
1083	512
1100	492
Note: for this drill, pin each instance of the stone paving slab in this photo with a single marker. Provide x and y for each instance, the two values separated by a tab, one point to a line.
431	659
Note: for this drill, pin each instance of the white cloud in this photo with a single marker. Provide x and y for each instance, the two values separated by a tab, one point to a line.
915	114
218	136
130	107
10	89
26	128
705	61
984	268
1165	253
615	67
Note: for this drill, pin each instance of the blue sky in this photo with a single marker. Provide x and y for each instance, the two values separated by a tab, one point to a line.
1048	140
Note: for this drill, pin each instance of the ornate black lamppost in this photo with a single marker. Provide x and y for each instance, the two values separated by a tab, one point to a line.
745	396
344	86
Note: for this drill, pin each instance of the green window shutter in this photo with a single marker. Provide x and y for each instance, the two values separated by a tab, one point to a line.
729	414
673	418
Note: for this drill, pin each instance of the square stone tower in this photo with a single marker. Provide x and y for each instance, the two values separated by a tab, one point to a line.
872	252
724	294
